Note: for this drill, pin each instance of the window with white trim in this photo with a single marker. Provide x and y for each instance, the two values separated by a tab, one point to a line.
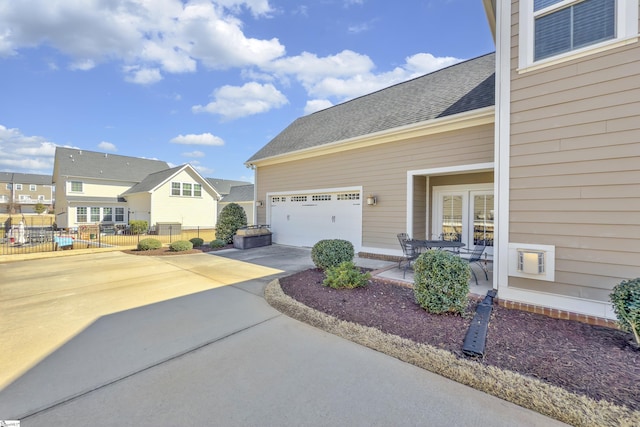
76	186
81	214
557	29
119	214
107	214
186	189
349	196
32	187
18	186
298	198
9	186
175	188
321	197
41	197
95	214
197	190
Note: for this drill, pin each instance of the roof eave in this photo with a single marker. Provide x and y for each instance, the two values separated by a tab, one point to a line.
478	117
490	10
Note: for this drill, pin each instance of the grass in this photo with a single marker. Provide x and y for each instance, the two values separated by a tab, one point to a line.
527	392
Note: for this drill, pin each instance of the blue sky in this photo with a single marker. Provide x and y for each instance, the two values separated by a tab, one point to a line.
206	82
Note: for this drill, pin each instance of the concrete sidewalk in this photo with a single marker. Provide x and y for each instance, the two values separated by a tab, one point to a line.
189	340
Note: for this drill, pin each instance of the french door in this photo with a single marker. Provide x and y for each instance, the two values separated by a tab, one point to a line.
464	214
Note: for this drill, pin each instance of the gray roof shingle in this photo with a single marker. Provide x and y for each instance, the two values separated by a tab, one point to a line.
25	178
239	193
90	164
466	86
223	186
153	180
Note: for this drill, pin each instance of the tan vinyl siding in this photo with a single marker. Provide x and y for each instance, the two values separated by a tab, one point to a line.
575	174
381	170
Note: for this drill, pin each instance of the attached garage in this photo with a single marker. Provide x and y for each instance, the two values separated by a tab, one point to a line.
304	218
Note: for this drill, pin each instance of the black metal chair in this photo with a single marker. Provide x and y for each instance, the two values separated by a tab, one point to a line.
409	252
475	257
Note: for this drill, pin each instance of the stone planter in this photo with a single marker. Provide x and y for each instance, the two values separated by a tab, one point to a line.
252	237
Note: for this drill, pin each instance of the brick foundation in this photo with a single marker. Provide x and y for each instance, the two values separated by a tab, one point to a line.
558	314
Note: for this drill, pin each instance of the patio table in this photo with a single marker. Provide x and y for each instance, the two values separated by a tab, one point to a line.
437	244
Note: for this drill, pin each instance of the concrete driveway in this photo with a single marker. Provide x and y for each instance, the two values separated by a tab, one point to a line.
115	339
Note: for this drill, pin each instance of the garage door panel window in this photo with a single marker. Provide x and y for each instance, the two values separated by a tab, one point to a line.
349	196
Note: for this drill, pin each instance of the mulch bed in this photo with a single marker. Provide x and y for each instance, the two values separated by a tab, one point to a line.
594	361
165	251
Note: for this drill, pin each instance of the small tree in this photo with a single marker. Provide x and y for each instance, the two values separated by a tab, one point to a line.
39	208
231	218
626	304
138	226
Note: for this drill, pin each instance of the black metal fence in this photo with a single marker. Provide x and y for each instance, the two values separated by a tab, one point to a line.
21	239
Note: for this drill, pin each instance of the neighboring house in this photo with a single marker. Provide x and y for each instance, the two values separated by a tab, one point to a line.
110	189
243	196
20	192
543	167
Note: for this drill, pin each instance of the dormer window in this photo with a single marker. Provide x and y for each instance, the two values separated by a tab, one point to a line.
557	30
76	186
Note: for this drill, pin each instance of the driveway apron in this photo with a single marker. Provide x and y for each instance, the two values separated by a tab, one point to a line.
112	339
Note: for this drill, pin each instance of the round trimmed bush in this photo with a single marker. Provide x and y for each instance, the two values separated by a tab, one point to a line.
231	218
626	304
217	243
196	242
149	244
346	276
441	282
181	245
331	253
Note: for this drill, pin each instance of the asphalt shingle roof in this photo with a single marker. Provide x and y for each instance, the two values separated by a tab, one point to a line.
459	88
152	181
239	193
25	178
223	186
90	164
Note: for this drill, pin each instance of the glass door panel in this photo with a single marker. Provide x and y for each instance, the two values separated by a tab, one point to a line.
483	218
452	221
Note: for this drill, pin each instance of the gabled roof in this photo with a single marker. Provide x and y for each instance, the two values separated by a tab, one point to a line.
223	186
239	193
90	164
459	88
155	180
25	178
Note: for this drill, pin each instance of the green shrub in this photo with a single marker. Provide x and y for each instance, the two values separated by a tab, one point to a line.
331	253
230	219
626	304
149	244
346	276
196	242
441	282
180	245
138	226
217	243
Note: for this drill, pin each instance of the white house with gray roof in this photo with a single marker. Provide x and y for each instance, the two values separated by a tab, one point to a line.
102	188
533	150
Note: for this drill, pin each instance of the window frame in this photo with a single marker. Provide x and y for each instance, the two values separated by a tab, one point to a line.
107	217
79	213
18	187
94	214
71	185
197	188
187	187
9	186
173	188
626	23
119	213
33	187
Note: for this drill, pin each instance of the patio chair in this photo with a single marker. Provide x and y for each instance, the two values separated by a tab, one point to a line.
409	252
475	257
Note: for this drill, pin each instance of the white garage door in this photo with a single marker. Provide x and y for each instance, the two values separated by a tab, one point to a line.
304	219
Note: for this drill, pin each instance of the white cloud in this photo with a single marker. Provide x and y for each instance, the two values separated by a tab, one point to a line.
423	63
107	146
232	102
201	139
194	154
203	170
153	37
143	76
314	105
27	154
